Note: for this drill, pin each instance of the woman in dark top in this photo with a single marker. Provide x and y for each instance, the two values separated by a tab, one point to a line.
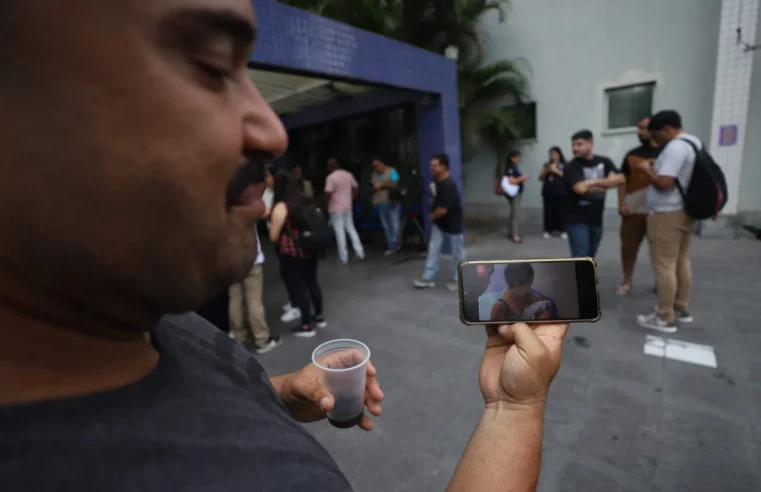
515	177
298	267
554	194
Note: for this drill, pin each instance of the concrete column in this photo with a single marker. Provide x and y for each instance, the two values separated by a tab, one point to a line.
734	67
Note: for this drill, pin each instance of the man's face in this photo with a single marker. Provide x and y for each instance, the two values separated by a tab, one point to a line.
378	166
642	133
298	172
119	145
661	137
582	148
436	168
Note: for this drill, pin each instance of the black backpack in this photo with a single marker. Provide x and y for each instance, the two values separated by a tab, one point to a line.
315	235
707	193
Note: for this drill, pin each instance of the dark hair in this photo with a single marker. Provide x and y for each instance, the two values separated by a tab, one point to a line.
519	274
662	119
443	159
583	135
560	153
286	188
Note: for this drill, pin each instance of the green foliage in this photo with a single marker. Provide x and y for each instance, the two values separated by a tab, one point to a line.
490	93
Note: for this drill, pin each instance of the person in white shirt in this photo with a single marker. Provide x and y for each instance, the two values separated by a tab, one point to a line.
246	296
669	228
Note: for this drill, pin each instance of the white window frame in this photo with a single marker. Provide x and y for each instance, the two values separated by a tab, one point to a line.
606	104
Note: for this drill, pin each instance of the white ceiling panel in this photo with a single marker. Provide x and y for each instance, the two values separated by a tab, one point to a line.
292	93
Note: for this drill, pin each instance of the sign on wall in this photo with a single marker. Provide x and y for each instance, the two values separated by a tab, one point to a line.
727	135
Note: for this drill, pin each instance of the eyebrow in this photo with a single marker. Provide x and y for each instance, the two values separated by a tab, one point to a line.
226	22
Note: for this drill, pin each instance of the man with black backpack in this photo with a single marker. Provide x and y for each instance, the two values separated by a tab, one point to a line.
686	185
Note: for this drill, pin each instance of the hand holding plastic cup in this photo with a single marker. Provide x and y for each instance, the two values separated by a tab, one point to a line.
343	363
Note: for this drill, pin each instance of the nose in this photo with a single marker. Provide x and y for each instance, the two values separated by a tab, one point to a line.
263	132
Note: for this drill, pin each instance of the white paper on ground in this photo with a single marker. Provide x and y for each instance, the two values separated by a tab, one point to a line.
692	353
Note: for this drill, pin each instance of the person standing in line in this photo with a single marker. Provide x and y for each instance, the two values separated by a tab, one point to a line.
669	228
632	202
290	311
589	177
306	185
446	223
515	177
554	194
385	181
246	295
341	189
298	266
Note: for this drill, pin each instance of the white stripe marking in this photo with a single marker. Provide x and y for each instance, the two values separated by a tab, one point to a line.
692	353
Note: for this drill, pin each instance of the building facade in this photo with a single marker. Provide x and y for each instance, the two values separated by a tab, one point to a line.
604	64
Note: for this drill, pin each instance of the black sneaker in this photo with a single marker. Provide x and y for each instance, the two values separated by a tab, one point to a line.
304	332
683	316
271	345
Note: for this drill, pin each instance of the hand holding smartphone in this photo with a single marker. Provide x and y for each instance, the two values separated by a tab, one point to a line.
529	291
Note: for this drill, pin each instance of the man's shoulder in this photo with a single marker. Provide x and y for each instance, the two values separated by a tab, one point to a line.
189	325
602	158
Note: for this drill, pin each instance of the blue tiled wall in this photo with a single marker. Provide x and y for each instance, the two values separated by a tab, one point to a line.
292	39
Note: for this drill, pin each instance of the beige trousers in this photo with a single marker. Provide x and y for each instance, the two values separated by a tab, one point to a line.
670	237
246	296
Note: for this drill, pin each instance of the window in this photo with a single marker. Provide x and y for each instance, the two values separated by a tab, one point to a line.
627	105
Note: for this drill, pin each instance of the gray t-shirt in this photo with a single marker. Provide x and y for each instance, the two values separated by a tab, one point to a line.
677	159
206	419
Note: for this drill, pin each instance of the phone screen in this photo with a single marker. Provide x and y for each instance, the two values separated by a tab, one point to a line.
529	291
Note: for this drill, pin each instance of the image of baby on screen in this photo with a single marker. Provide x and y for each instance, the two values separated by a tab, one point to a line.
514	299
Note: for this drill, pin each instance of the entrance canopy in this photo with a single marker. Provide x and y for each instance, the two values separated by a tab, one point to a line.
313	70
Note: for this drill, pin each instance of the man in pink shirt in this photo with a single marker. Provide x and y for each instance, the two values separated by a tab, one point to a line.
340	190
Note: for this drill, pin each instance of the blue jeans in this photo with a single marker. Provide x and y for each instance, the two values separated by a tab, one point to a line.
389	217
343	224
457	241
583	239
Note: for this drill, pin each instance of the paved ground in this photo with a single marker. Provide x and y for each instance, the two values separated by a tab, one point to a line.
617	420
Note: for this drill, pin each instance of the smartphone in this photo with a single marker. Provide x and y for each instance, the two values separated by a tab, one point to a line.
529	291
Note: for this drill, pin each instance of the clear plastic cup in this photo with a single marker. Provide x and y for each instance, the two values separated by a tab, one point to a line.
344	374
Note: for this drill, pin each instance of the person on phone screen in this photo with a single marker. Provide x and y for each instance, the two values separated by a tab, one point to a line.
108	383
520	302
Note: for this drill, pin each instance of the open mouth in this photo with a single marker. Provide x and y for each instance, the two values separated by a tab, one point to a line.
246	187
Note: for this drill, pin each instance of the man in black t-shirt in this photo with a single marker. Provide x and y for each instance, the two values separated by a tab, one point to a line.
446	223
588	176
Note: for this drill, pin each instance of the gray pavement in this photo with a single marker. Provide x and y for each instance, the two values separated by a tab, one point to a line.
617	419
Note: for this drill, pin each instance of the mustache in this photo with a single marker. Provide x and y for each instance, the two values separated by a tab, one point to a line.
251	171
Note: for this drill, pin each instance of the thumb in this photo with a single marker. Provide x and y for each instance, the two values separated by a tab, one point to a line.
526	340
323	399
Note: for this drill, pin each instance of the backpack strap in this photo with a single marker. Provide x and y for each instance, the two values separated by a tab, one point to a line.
676	180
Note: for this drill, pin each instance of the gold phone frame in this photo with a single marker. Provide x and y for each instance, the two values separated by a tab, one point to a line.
461	293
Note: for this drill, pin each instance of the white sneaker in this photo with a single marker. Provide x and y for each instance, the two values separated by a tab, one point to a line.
321	324
424	284
564	236
452	286
546	235
271	345
654	322
388	252
291	315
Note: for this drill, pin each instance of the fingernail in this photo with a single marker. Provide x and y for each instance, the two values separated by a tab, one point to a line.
324	403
